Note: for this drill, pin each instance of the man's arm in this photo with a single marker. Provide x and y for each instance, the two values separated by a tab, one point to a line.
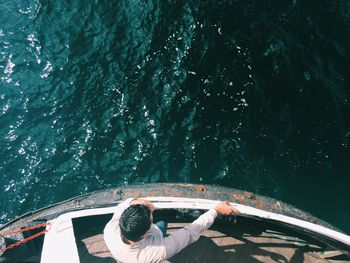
121	208
191	233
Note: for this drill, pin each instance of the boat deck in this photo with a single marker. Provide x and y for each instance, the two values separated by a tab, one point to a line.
222	245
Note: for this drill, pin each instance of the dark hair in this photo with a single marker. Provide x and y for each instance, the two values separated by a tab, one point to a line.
135	222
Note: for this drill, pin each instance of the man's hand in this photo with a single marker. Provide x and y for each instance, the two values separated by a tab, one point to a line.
226	209
143	202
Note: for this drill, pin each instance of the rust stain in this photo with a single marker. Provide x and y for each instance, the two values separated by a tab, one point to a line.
200	188
258	204
250	195
238	197
248	198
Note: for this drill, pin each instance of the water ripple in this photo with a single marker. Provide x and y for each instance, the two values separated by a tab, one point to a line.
114	93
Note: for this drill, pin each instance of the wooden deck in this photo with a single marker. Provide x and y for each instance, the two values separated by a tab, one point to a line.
217	245
237	246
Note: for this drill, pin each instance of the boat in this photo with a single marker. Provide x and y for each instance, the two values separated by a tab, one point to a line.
266	230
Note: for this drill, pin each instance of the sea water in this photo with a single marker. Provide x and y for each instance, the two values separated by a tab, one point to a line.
247	94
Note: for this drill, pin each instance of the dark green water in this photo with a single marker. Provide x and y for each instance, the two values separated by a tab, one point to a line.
247	94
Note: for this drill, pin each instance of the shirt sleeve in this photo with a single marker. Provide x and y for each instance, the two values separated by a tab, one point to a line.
189	234
113	224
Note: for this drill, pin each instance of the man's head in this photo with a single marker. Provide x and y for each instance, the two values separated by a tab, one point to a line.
135	222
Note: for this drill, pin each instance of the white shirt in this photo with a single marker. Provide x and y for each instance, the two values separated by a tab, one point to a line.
153	247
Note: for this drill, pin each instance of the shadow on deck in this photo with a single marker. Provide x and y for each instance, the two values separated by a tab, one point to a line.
218	245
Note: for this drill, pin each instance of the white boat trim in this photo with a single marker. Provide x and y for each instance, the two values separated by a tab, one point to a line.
61	235
59	243
251	211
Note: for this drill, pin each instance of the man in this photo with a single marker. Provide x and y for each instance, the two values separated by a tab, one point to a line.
132	237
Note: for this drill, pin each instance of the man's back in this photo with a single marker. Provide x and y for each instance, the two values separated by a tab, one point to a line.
144	250
153	247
